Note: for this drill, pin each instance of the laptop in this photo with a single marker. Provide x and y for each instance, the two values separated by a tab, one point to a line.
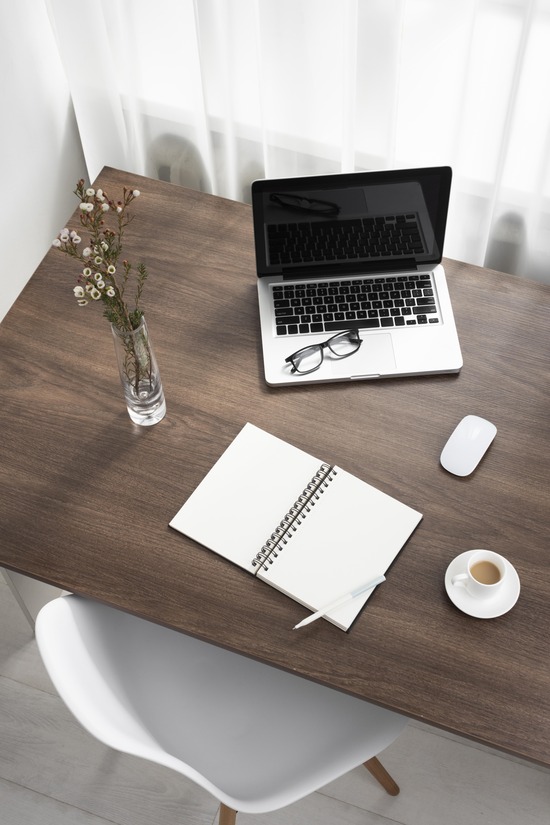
357	251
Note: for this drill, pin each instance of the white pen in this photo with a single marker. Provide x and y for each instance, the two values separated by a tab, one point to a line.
347	597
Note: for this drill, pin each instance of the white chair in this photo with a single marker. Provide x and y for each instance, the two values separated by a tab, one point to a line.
256	737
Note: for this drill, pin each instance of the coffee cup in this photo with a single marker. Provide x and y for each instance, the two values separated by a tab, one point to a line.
484	576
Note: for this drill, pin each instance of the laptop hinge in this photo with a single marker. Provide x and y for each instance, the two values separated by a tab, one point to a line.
337	269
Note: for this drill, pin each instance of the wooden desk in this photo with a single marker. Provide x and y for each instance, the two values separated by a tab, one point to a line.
86	497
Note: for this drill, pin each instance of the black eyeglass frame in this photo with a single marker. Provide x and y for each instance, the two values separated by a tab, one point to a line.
354	333
301	203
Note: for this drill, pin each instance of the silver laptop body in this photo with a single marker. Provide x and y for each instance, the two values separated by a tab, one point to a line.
357	251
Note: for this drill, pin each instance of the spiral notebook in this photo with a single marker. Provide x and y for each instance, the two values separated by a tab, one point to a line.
305	527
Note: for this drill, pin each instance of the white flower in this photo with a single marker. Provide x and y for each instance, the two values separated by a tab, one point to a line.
84	207
104	246
79	292
87	272
76	238
97	276
95	293
136	193
119	209
111	269
64	237
99	194
89	207
82	302
105	207
56	242
86	252
89	288
111	292
90	192
98	260
100	283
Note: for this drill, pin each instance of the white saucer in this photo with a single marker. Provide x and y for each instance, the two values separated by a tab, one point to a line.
488	608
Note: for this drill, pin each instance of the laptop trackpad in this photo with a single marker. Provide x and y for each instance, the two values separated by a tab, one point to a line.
375	358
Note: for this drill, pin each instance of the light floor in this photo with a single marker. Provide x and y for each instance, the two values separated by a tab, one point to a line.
51	771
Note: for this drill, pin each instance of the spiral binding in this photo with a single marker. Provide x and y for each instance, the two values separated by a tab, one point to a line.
297	513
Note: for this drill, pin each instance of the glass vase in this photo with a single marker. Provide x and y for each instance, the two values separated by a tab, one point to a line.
139	374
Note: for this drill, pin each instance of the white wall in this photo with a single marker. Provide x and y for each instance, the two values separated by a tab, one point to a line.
40	154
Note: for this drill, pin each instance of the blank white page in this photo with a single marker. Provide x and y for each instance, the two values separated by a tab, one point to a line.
243	498
351	535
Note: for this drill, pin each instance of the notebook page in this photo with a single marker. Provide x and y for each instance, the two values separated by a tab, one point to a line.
245	495
349	537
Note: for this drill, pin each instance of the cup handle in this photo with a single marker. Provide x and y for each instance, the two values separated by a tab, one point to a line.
460	579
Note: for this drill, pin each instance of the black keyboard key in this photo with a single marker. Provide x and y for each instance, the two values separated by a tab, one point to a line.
334	326
424	310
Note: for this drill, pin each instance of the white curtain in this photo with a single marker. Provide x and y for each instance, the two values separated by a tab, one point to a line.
214	93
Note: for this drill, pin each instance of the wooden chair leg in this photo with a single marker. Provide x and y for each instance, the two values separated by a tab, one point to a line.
227	815
375	767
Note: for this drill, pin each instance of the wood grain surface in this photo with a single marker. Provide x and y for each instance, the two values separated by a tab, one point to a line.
86	497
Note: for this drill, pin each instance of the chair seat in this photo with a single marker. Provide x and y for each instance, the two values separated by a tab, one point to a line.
256	737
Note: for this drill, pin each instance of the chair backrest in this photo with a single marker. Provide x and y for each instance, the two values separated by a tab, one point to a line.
256	737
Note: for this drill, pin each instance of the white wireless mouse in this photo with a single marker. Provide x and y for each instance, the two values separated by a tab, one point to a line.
467	445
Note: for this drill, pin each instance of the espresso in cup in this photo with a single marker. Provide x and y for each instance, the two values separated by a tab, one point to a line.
484	575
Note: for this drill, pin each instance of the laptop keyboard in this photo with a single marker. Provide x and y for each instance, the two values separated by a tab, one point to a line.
373	238
398	301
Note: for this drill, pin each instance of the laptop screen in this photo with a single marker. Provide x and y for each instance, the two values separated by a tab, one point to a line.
358	221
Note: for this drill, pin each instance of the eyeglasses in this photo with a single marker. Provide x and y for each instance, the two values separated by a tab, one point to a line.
309	359
300	203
